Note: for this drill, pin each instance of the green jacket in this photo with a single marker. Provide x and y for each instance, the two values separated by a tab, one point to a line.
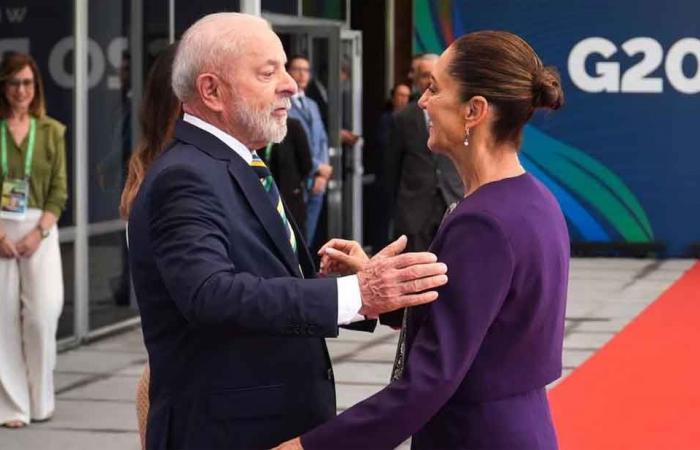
48	188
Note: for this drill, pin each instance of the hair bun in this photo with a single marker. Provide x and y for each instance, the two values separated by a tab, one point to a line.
546	89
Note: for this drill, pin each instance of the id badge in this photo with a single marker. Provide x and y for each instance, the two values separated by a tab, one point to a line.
15	196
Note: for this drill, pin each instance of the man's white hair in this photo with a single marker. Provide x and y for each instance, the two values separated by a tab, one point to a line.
210	43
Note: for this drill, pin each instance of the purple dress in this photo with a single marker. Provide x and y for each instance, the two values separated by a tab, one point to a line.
478	359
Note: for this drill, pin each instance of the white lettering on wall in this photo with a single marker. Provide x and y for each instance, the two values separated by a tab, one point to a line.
636	79
14	15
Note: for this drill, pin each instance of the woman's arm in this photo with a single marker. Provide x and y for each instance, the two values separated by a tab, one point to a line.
480	267
58	188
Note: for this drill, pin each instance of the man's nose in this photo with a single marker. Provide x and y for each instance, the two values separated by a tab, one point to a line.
288	85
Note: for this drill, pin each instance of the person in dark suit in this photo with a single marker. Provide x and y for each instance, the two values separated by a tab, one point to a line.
290	164
422	183
471	369
232	316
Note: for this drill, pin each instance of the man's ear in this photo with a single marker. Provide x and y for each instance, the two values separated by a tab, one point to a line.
209	87
475	111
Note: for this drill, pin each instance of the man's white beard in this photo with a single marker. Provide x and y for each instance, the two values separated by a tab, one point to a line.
264	127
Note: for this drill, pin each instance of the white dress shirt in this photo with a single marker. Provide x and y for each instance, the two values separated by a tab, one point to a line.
349	299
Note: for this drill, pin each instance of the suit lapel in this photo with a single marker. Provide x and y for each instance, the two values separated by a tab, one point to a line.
422	129
419	119
305	260
263	208
249	183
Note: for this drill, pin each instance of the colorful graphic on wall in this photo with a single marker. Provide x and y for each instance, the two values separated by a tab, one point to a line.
621	157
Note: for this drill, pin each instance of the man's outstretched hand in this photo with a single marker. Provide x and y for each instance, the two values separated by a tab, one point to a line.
389	280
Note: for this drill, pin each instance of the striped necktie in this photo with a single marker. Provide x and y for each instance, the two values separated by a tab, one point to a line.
271	188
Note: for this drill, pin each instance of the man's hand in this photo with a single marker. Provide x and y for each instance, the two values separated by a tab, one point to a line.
8	249
391	282
342	257
319	185
324	170
292	444
347	137
347	257
29	243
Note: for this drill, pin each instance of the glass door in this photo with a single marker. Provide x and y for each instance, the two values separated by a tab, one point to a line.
319	41
351	122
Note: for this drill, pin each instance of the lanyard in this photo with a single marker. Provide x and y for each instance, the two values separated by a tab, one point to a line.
268	149
30	148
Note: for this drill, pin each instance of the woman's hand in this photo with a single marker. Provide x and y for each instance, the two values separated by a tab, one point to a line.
8	249
29	243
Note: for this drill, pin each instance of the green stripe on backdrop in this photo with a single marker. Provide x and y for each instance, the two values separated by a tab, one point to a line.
424	27
591	182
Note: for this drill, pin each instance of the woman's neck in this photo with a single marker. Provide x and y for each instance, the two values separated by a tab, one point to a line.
19	115
481	164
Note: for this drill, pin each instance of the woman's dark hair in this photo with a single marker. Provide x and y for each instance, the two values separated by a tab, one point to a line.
160	109
12	63
504	69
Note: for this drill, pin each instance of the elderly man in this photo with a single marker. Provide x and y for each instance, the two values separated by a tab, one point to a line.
232	318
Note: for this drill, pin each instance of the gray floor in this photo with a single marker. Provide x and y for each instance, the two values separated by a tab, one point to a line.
96	383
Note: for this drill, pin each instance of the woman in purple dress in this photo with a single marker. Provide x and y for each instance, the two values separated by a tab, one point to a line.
473	366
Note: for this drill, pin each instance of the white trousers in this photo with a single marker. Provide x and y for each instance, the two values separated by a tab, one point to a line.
31	299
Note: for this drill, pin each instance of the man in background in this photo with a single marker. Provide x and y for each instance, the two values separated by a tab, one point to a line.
307	112
424	184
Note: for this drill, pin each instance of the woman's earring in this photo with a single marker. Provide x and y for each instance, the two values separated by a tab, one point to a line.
466	138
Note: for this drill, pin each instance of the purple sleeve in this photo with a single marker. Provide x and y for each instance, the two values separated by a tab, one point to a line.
480	267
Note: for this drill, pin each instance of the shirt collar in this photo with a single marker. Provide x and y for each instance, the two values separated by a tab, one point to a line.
233	143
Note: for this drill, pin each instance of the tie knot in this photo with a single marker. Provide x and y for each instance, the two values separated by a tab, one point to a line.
259	166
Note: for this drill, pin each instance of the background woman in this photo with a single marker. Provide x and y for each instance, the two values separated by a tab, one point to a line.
473	366
159	111
32	156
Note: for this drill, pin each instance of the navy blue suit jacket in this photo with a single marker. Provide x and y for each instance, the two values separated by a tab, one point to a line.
233	330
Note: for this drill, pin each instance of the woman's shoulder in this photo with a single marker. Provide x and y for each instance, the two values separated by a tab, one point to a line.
51	125
476	223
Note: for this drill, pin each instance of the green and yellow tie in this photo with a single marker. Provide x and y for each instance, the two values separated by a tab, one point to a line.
271	188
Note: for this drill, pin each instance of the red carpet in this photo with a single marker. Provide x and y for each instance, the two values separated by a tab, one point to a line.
642	390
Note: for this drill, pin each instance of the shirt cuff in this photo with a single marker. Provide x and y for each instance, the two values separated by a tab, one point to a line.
349	300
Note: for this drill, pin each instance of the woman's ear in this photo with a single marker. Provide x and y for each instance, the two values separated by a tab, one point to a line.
475	111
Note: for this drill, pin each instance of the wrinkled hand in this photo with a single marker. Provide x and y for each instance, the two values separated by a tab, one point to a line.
292	444
390	281
342	257
319	185
29	244
8	249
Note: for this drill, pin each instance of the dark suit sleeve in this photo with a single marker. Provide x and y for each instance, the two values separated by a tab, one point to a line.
302	152
190	244
480	266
